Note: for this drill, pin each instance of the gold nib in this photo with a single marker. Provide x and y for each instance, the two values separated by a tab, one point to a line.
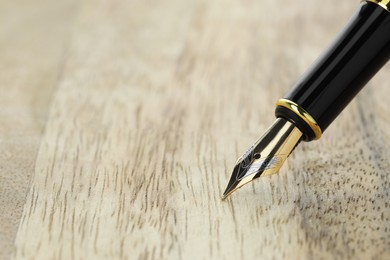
266	156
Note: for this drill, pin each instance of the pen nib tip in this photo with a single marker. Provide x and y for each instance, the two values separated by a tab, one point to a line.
239	178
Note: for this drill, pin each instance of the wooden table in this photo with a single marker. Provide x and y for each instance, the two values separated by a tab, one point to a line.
120	122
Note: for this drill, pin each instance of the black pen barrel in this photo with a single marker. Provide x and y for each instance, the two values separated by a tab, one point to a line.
357	54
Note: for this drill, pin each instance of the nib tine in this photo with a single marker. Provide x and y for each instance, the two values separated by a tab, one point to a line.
235	184
227	192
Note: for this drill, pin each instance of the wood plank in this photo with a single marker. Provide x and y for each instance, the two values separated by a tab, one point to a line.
157	101
32	43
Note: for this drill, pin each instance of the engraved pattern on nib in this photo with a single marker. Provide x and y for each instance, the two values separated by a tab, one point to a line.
244	163
251	165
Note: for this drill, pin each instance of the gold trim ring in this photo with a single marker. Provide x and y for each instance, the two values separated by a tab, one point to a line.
382	3
299	111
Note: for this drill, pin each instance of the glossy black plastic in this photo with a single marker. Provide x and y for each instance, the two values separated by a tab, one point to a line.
360	50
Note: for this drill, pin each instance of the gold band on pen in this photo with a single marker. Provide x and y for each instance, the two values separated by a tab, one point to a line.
299	111
382	3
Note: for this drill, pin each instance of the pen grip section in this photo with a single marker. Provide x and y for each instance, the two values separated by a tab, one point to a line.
357	54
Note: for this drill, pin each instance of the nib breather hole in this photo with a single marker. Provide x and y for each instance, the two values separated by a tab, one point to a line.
257	156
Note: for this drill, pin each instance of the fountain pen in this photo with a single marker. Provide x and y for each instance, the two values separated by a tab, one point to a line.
325	89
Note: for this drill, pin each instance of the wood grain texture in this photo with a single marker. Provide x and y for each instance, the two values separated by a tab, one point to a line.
157	100
30	65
